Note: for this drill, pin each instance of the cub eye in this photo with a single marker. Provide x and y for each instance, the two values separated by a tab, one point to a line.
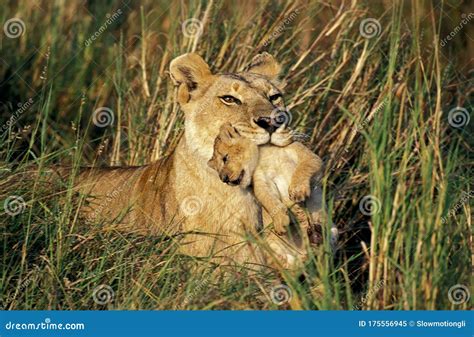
229	100
275	97
225	158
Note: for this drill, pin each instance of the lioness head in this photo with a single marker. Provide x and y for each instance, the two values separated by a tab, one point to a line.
234	158
247	99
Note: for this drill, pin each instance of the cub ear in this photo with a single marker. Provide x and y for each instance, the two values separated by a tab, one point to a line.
266	65
212	163
189	72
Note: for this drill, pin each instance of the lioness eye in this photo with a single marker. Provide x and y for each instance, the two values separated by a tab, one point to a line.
228	99
275	97
225	158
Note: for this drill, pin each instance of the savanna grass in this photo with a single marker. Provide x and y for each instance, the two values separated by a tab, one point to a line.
374	108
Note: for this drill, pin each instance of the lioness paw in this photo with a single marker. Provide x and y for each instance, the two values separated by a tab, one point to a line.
300	191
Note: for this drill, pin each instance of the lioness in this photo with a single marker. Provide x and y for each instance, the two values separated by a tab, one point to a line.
282	176
181	193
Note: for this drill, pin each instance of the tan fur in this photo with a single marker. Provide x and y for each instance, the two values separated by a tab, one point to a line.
282	178
181	193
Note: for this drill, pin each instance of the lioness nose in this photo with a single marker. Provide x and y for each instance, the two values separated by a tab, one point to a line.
225	178
265	123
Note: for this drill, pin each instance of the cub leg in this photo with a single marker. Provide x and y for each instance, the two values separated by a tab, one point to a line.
314	205
301	217
308	166
268	196
318	218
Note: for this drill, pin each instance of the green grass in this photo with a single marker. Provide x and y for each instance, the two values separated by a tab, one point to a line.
376	111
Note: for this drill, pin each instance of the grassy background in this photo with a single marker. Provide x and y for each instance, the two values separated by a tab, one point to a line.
376	110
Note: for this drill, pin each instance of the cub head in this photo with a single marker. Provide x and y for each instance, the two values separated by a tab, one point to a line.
247	100
234	158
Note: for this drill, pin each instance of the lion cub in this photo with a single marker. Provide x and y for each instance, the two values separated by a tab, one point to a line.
281	176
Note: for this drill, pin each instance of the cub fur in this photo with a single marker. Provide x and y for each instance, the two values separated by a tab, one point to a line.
282	177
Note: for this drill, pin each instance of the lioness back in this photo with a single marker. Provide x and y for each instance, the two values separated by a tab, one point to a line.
129	195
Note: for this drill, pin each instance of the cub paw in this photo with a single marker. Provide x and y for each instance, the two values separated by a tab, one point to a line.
282	137
299	192
228	131
288	259
281	220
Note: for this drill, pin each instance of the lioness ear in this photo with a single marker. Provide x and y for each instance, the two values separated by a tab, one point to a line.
189	72
266	65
